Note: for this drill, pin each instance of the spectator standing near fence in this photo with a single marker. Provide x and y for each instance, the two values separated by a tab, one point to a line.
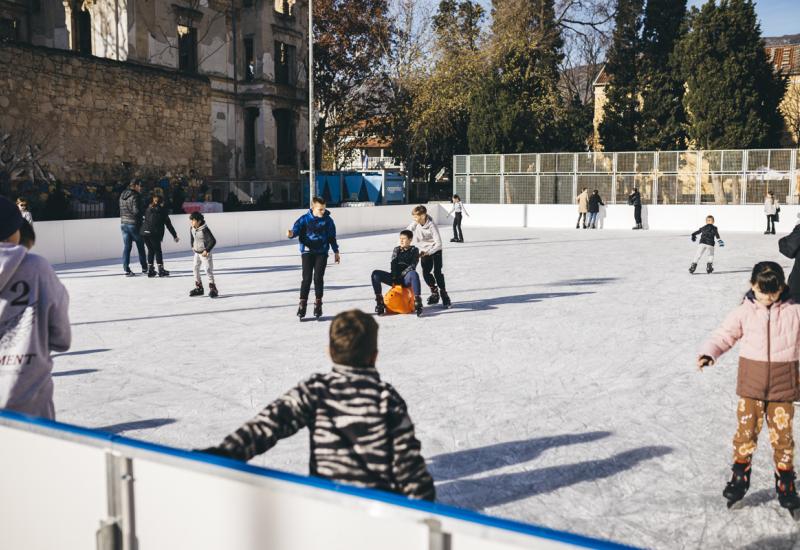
130	214
635	200
771	209
34	321
583	207
22	204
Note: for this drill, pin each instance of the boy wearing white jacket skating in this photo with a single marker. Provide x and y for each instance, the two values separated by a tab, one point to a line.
34	321
429	243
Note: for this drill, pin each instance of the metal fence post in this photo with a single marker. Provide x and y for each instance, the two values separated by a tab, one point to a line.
469	177
502	179
538	179
655	177
454	177
793	175
574	174
744	176
698	160
614	178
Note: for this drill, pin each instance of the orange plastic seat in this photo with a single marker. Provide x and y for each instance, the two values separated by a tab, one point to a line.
399	299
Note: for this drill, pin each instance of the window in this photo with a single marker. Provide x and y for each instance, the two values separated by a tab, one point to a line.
249	60
187	49
284	63
9	29
285	7
82	30
284	123
250	117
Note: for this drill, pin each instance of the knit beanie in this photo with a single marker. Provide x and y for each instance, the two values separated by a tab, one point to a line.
10	218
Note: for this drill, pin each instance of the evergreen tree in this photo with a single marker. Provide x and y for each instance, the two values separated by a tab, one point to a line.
733	93
662	124
621	112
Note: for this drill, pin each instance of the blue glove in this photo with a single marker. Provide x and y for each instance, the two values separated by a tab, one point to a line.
721	243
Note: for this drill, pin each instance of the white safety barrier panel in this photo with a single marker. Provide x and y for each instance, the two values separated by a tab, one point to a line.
78	489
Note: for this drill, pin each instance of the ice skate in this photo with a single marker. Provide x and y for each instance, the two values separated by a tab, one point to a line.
301	309
162	272
434	297
212	290
692	268
380	307
446	300
453	240
787	493
738	485
198	290
129	273
418	305
709	268
145	270
151	272
318	308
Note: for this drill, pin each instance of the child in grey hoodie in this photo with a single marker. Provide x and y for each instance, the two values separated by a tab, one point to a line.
33	321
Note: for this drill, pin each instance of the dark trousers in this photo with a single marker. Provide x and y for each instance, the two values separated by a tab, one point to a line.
433	263
771	223
637	214
313	267
457	233
153	250
411	279
581	215
130	235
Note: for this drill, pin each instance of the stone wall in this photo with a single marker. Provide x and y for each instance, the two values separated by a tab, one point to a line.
99	118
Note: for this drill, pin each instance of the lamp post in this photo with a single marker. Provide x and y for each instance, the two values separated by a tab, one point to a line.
311	117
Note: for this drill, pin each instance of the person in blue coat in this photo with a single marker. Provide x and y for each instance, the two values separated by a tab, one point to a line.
317	235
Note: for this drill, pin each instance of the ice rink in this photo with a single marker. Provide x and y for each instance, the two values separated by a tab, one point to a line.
559	390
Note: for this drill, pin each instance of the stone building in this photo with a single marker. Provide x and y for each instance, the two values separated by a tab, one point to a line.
783	53
248	53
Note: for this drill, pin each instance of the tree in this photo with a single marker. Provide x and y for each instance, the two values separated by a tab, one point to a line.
733	93
621	111
662	123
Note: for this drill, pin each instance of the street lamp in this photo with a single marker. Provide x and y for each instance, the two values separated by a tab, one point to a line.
311	117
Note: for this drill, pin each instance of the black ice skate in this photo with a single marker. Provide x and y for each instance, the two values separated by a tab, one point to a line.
709	268
162	272
145	269
446	300
738	485
130	273
434	297
151	272
692	268
198	290
453	240
380	307
418	305
318	308
212	290
787	493
301	309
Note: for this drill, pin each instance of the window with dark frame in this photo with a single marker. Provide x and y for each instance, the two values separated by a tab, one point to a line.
284	63
285	7
187	49
9	29
250	118
249	59
286	149
82	25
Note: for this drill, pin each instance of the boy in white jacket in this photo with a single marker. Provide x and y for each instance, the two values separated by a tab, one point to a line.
33	321
429	242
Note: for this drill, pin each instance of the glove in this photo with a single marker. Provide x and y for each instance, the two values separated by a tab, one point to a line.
694	238
721	243
216	451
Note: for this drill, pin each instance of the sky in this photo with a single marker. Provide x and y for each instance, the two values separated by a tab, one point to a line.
777	17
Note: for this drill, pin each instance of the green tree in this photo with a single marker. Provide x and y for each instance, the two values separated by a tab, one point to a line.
662	123
733	93
621	111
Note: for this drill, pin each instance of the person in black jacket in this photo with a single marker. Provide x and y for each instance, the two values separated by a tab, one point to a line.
595	201
789	246
635	200
403	272
708	233
156	218
130	214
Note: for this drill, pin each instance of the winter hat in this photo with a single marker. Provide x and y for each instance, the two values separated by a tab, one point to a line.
10	218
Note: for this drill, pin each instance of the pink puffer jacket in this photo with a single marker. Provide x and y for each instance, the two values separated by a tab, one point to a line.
769	348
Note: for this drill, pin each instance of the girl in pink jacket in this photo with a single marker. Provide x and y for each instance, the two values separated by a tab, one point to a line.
767	324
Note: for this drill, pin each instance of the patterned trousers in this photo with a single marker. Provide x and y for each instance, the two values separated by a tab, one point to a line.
751	414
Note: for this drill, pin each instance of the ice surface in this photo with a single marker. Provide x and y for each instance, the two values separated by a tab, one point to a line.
559	390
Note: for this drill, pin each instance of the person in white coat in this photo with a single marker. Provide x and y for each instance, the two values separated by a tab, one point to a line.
458	209
34	321
429	243
771	209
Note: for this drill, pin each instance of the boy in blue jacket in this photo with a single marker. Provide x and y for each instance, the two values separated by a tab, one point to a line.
317	234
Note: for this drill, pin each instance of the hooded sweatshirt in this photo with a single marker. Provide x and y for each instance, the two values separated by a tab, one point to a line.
33	321
426	236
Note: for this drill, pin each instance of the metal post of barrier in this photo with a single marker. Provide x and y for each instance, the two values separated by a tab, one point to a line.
655	177
538	179
698	160
574	174
613	178
468	164
118	530
502	179
745	183
437	539
793	175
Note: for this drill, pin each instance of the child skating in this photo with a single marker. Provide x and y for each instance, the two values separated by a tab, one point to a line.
403	272
202	242
768	325
458	209
317	235
429	242
708	234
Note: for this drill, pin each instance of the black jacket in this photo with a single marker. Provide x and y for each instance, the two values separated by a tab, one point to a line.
635	199
130	207
789	246
155	219
404	261
594	203
708	233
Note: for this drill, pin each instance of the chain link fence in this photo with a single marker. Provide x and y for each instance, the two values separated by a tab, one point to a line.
663	177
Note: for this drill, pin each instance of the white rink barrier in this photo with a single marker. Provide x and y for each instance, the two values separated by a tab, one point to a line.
73	488
654	217
71	241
